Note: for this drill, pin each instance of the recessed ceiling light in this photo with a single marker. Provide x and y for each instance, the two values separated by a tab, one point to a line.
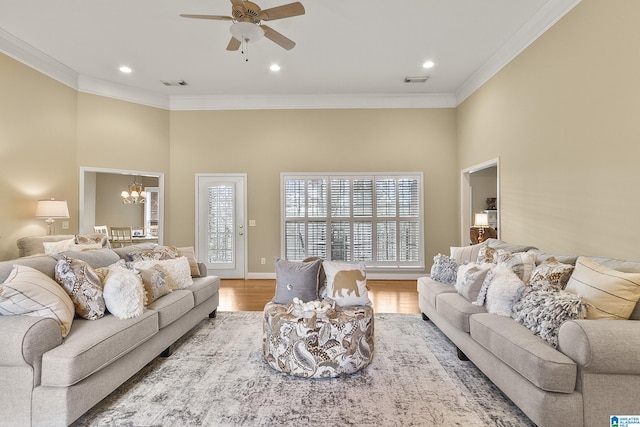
274	67
428	64
125	69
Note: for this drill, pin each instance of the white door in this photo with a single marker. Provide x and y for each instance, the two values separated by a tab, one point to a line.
220	224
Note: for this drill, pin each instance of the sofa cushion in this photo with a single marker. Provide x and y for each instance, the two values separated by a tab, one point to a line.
172	306
43	263
510	247
94	344
97	258
464	254
430	289
32	245
204	288
456	309
527	354
609	293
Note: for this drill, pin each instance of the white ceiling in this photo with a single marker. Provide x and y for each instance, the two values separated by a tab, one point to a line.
349	53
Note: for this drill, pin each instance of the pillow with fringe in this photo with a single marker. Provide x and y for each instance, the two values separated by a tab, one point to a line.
543	311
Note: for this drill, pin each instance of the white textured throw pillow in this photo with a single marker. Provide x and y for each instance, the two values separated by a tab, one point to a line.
178	269
505	290
123	293
346	283
30	292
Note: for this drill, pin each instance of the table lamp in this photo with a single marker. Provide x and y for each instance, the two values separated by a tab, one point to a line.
481	221
50	210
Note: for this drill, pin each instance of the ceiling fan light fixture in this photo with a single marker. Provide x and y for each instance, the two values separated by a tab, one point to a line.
246	32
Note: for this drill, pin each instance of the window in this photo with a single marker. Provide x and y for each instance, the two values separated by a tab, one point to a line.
376	218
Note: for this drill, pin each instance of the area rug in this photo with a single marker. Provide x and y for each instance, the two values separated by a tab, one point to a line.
217	377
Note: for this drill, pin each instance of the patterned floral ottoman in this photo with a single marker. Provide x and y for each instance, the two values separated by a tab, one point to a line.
317	345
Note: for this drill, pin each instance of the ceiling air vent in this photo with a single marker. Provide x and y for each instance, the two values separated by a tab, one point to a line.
174	82
419	79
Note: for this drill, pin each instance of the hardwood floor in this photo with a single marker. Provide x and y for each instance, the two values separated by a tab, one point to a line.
387	296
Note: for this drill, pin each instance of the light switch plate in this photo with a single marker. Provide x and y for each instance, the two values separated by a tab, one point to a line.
252	223
65	225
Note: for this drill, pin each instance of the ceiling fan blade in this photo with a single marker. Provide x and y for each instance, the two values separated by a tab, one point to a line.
234	44
214	17
278	38
284	11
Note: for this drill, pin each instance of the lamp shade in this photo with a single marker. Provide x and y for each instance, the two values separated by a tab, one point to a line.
52	209
481	220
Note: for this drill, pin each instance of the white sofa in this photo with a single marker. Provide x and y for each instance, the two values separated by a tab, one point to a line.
51	381
593	374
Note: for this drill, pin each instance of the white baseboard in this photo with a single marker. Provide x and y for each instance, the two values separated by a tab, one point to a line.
370	275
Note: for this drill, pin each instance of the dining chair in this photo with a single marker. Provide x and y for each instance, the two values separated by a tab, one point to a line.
121	236
102	229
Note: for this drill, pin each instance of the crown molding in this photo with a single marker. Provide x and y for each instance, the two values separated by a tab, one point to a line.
39	61
548	15
122	92
544	19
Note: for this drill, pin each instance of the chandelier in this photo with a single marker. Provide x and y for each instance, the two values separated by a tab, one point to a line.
136	193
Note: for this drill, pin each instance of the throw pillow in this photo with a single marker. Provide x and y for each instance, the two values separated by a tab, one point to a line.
52	248
123	293
155	254
466	253
90	239
551	273
521	263
487	254
190	254
84	247
178	270
610	294
156	282
347	283
470	279
444	269
83	286
504	291
543	311
296	280
29	292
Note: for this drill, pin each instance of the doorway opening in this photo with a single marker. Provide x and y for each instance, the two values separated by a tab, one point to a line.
478	184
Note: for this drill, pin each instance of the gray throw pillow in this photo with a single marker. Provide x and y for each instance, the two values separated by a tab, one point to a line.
296	279
444	269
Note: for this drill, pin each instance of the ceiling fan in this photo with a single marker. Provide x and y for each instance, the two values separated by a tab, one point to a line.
246	27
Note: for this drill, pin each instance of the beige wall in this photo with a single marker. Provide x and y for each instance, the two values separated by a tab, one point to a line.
265	143
37	148
563	118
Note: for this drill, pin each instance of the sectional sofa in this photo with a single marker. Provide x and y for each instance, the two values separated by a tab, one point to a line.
588	374
48	380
